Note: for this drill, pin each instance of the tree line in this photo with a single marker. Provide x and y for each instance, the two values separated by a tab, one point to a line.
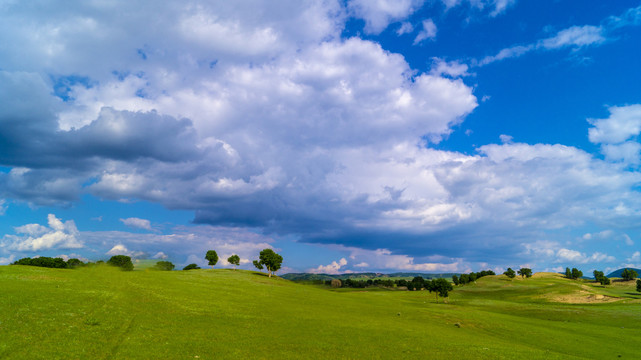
267	259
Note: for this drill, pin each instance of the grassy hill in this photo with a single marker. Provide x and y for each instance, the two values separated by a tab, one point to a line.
103	313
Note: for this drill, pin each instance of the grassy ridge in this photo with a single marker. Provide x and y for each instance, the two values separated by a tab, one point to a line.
102	313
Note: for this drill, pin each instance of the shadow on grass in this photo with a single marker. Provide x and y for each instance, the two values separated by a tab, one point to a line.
260	274
636	295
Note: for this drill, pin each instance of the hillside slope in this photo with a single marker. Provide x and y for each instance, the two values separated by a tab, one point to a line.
102	313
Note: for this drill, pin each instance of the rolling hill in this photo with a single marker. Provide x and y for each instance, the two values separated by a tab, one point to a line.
103	313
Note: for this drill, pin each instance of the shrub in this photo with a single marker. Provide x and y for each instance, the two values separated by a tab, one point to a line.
121	261
164	266
191	267
336	283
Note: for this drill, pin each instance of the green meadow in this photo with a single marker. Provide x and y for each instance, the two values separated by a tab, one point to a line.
104	313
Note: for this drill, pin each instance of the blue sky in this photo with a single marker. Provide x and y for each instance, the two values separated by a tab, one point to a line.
409	135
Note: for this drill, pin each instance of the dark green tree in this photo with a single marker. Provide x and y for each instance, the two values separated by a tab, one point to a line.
258	265
191	267
576	273
74	263
121	261
568	273
234	260
212	257
639	285
525	272
441	287
628	274
270	260
598	276
510	273
164	266
455	279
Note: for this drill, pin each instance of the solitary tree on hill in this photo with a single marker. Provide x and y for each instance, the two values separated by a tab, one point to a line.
271	260
525	272
212	257
121	261
510	273
234	260
628	274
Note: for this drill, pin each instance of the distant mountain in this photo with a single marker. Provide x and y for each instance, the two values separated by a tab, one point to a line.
617	273
361	276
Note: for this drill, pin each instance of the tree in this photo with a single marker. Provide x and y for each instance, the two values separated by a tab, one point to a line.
525	272
212	257
234	260
164	266
121	261
568	273
74	263
576	273
510	273
191	267
628	274
455	279
639	285
598	276
258	265
336	283
271	260
439	286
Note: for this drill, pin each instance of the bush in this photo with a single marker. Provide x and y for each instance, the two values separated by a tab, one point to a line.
43	261
121	261
336	283
191	267
164	266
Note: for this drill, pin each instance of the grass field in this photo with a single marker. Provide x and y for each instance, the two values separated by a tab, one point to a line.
103	313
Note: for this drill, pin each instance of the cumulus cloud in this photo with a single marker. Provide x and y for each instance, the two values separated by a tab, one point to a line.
36	237
120	249
332	269
379	14
137	223
160	255
576	257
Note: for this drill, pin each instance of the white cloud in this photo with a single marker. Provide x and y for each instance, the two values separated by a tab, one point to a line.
35	237
7	260
576	257
332	269
636	257
3	207
378	14
405	28
160	255
428	32
451	68
137	223
628	240
576	36
122	250
623	123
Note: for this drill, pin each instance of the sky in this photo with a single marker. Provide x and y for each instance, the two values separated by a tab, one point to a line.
347	135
